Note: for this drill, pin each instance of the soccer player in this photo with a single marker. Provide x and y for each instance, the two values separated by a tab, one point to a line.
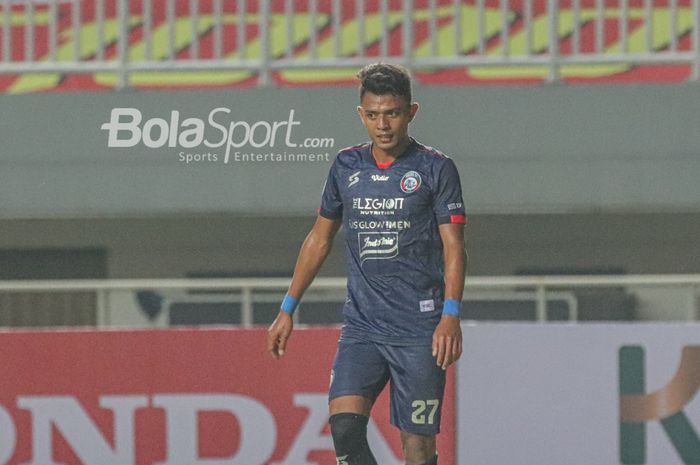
400	203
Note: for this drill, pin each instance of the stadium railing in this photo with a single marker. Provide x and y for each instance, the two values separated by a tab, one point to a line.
260	37
541	291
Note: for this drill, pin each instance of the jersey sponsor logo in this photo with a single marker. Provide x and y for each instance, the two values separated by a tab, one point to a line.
378	245
379	177
410	182
454	206
354	178
380	224
374	206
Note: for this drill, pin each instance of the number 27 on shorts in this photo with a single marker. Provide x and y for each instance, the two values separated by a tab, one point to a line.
423	407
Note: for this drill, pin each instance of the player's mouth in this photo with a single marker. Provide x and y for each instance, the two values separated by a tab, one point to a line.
385	138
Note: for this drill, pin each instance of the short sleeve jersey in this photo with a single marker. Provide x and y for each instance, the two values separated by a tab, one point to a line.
390	215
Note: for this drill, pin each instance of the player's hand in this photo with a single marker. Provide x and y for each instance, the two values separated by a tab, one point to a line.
278	333
447	341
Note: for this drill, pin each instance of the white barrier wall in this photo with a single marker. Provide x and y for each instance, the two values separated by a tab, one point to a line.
551	394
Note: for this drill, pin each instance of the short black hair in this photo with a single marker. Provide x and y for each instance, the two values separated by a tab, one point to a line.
385	79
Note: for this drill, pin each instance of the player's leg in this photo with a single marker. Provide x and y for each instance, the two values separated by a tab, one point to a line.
419	449
349	432
359	374
417	388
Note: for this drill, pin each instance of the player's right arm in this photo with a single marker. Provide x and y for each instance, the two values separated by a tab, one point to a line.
313	253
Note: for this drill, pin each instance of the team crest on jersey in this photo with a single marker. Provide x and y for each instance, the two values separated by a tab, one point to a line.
410	182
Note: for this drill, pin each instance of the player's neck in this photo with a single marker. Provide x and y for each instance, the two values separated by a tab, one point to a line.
384	157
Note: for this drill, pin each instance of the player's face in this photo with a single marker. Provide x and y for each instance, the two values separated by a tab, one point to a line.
386	118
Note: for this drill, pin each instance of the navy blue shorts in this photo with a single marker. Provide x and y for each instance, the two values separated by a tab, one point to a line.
362	368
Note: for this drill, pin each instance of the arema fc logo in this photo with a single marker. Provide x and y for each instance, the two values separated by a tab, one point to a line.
410	182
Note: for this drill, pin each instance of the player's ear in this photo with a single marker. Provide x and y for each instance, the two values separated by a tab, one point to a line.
413	110
360	111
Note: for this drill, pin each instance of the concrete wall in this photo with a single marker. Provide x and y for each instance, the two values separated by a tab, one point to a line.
519	149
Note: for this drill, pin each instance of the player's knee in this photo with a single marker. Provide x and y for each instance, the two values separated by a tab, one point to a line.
349	432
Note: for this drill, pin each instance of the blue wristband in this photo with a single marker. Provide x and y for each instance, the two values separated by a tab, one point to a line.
289	304
451	307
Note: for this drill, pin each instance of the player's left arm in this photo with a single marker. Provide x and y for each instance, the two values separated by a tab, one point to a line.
447	338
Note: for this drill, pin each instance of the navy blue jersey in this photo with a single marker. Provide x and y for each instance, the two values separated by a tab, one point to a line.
390	215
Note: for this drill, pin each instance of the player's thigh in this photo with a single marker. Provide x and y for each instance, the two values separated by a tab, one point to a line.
417	389
350	404
358	376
